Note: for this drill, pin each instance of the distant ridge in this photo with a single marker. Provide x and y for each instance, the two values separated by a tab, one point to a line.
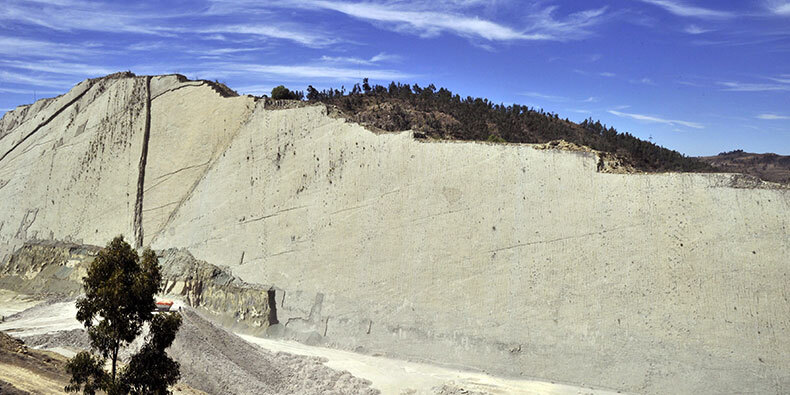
769	167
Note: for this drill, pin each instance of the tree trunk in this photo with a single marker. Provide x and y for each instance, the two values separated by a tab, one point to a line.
114	360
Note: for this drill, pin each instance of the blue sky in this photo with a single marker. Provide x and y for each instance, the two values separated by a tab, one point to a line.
697	76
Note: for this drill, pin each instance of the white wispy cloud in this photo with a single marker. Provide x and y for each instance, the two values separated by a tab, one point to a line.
297	34
781	8
654	119
69	16
643	81
682	9
559	99
381	57
694	29
217	52
65	16
15	46
28	91
427	22
257	90
305	72
31	80
773	117
539	95
58	67
754	87
606	74
385	57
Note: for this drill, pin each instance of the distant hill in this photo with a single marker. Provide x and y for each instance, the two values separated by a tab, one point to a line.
769	167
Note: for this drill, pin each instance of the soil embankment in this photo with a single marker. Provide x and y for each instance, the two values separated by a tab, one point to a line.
24	370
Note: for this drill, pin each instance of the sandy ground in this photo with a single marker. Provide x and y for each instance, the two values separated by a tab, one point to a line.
12	302
26	380
41	319
216	361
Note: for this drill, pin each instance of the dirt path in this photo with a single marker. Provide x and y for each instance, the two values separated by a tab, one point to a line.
30	381
216	361
393	376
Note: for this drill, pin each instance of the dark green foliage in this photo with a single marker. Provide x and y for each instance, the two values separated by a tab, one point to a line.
495	139
87	373
119	299
151	370
283	93
439	113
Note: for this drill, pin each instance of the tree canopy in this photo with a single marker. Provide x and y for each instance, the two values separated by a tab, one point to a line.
118	302
282	93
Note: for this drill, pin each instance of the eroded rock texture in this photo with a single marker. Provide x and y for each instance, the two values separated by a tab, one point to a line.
505	258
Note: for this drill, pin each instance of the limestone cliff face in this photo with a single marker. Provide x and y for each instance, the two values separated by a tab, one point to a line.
505	258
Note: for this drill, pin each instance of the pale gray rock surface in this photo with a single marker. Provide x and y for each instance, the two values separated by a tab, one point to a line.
502	258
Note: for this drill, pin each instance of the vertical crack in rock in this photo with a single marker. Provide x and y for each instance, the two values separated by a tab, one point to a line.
47	121
138	205
272	307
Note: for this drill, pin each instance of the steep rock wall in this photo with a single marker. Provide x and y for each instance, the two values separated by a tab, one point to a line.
504	258
69	172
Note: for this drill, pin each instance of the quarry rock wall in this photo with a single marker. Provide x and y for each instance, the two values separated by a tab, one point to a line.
498	257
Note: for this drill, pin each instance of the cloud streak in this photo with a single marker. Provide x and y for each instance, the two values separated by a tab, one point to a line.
15	46
755	87
781	8
543	26
57	67
538	95
685	10
26	79
694	29
773	117
653	119
381	57
307	72
289	33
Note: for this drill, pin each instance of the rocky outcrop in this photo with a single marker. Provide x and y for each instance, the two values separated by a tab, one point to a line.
501	257
216	291
47	268
55	269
